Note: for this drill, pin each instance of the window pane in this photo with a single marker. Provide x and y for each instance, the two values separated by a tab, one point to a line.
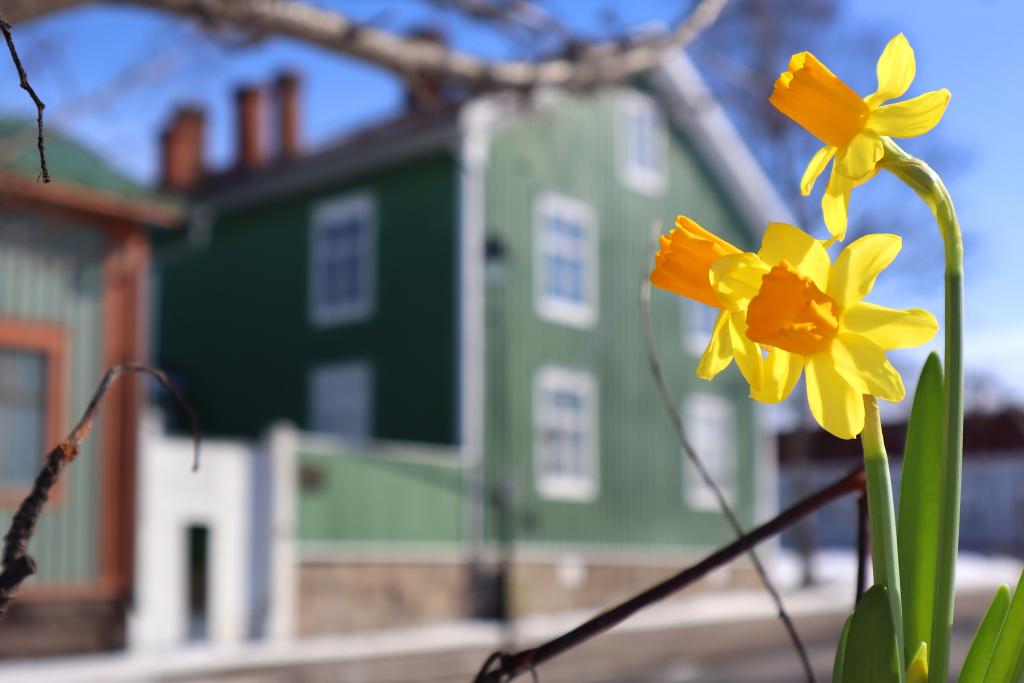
643	139
711	426
563	440
342	261
564	260
643	151
340	400
22	415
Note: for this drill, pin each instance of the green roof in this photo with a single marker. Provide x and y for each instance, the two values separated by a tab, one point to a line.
69	161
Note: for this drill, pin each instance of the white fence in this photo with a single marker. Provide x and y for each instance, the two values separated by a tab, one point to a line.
215	548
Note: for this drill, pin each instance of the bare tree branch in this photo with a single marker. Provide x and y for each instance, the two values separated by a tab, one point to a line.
593	64
501	666
512	13
5	27
17	564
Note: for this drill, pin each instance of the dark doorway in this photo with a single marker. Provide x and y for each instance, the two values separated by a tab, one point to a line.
198	543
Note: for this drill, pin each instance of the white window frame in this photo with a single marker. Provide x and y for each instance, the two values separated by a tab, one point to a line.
643	179
558	486
718	452
552	308
323	216
691	312
361	373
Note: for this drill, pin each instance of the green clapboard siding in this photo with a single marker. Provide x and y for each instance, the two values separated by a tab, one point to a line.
233	312
376	497
569	148
52	273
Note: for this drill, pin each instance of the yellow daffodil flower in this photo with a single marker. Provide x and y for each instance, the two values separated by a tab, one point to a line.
851	127
683	266
809	314
791	302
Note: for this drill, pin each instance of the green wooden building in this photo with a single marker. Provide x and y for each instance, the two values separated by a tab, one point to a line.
450	302
74	260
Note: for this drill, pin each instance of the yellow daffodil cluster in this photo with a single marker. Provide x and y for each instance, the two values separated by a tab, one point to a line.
788	309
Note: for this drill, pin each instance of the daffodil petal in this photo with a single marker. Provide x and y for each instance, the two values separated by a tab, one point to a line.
736	279
838	407
855	270
888	327
835	204
896	70
780	373
784	242
910	117
861	156
718	355
863	364
818	163
747	353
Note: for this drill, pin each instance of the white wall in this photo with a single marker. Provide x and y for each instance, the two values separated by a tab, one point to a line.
233	495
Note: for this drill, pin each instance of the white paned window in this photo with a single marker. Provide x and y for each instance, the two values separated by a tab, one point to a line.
698	322
342	260
710	423
565	234
565	434
642	144
341	400
22	415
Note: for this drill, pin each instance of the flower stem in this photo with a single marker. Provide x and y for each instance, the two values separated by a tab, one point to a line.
929	187
882	517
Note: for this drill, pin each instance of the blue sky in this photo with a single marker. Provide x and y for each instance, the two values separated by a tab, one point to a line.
112	76
972	48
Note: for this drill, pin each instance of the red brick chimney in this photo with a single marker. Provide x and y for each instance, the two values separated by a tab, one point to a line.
286	113
248	107
426	93
182	146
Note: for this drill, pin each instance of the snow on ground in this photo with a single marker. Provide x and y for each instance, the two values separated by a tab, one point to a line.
835	572
839	568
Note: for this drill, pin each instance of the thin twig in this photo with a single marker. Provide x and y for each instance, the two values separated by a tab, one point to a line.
862	547
677	421
512	665
17	564
5	27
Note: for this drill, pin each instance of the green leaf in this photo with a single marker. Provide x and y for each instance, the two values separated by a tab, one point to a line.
870	655
917	672
837	667
920	497
985	639
1007	662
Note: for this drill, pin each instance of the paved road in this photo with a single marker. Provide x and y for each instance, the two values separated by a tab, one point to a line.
749	661
751	652
776	665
